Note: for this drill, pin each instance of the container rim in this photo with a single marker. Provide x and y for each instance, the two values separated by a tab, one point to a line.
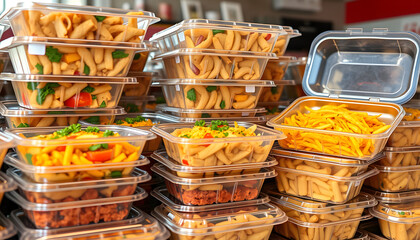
14	77
9	228
14	196
26	184
278	219
6	141
163	171
321	225
389	218
138	135
161	194
393	197
13	160
213	52
257	119
166	108
163	158
212	82
267	134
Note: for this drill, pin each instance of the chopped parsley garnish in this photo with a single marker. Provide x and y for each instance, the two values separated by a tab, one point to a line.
205	115
22	125
92	129
86	69
219	125
191	95
100	18
119	122
98	146
103	104
117	54
185	136
93	120
74	128
108	133
40	68
88	89
211	88
53	54
222	104
200	123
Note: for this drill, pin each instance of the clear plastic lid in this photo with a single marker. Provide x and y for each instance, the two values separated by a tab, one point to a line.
258	119
12	160
352	64
263	134
209	221
212	82
66	79
162	194
30	206
165	173
138	224
6	141
402	149
406	213
7	184
212	52
42	42
26	184
207	112
156	118
8	229
162	157
329	224
393	197
22	136
341	161
225	25
12	109
89	10
360	235
363	200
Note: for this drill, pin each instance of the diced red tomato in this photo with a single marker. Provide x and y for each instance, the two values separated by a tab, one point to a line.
63	148
208	135
99	156
76	73
185	162
85	99
268	37
87	178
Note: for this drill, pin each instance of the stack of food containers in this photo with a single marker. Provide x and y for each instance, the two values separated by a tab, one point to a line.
396	186
73	62
213	183
341	135
214	67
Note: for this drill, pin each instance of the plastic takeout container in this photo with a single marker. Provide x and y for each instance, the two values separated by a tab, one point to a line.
320	187
237	223
29	150
395	179
73	173
7	228
189	151
213	190
162	194
260	120
311	162
333	80
17	116
136	104
55	20
405	135
141	58
225	36
211	94
201	171
45	56
87	189
52	92
137	225
209	113
319	212
212	64
71	212
393	197
142	87
299	230
360	235
398	221
401	157
274	94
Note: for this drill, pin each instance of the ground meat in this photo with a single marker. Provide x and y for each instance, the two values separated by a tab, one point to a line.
206	197
80	216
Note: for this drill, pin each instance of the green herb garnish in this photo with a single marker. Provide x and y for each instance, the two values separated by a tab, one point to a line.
88	89
100	18
222	104
211	88
74	128
200	123
22	125
103	104
53	54
108	133
93	120
86	69
117	54
136	56
205	115
191	95
92	129
218	31
40	68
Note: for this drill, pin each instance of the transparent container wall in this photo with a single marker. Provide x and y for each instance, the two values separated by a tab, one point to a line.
396	179
401	157
208	194
139	61
405	136
66	59
275	70
323	167
215	66
18	122
298	232
229	153
363	66
209	97
212	113
320	187
58	21
133	104
50	95
399	231
333	142
140	89
261	233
